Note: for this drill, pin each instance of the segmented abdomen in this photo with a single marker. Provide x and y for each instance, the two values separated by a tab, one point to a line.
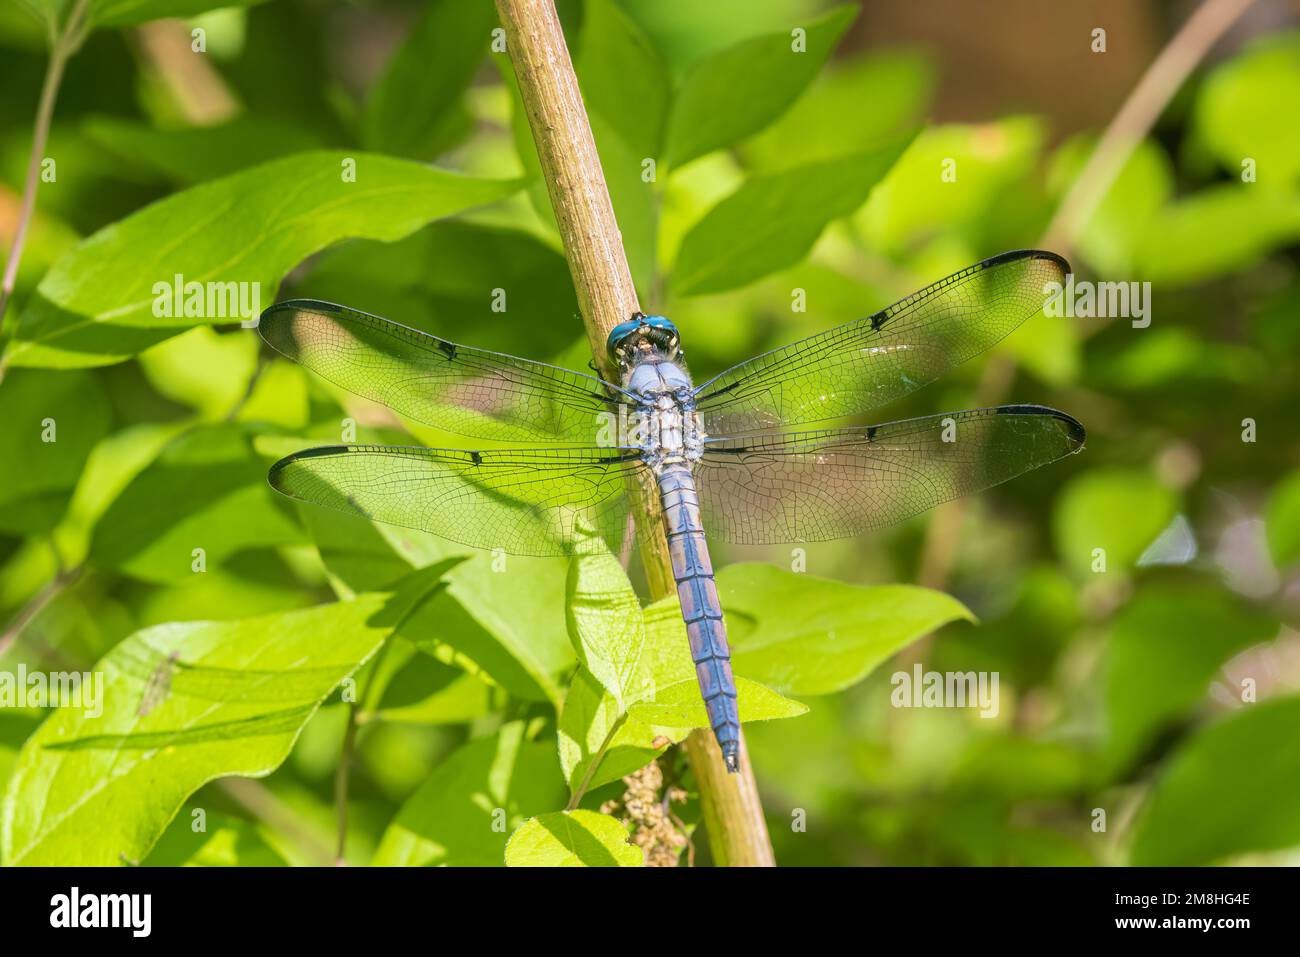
701	609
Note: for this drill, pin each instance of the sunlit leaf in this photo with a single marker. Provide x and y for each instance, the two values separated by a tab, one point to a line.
624	78
109	297
221	841
806	635
465	811
223	698
1283	518
572	839
736	92
897	84
1118	511
411	110
203	369
605	624
953	178
207	490
658	695
773	220
506	622
1215	231
1239	107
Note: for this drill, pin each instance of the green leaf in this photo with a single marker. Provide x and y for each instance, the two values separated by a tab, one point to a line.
736	92
572	839
97	304
495	616
680	708
462	814
1214	232
1119	510
224	841
51	424
667	709
917	201
98	789
123	13
1238	108
1230	790
203	369
427	692
412	108
774	219
592	727
505	620
193	154
111	467
1181	635
806	635
357	555
456	299
634	200
897	84
206	490
624	78
278	397
1282	519
1140	190
605	623
657	697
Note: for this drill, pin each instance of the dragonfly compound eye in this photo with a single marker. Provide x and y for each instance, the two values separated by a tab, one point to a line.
657	331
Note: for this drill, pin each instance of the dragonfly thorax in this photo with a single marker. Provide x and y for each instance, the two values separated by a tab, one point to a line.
665	423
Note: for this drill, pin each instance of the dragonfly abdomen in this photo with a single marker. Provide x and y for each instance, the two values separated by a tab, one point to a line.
701	609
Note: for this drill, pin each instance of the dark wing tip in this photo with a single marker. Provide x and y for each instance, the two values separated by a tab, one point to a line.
1016	254
275	325
274	475
1071	426
300	305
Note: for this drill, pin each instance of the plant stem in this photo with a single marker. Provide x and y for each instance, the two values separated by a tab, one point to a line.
594	763
1137	115
606	296
1126	130
61	49
260	801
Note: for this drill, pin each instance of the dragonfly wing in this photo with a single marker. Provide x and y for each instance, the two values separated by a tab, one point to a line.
867	362
835	483
468	391
525	502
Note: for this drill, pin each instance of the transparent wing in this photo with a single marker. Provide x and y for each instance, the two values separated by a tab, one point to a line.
835	483
464	390
526	502
867	362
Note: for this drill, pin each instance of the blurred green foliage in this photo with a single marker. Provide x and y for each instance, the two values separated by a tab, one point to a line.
1139	602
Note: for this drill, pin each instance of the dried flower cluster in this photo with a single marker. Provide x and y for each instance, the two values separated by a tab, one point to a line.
648	813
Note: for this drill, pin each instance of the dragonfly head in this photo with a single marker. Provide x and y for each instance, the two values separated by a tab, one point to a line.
641	336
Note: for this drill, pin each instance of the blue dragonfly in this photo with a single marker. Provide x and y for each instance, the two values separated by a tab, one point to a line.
712	453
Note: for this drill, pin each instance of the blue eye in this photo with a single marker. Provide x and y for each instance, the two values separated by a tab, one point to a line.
620	333
662	328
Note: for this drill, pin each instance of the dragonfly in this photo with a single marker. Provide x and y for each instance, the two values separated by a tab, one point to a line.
716	455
